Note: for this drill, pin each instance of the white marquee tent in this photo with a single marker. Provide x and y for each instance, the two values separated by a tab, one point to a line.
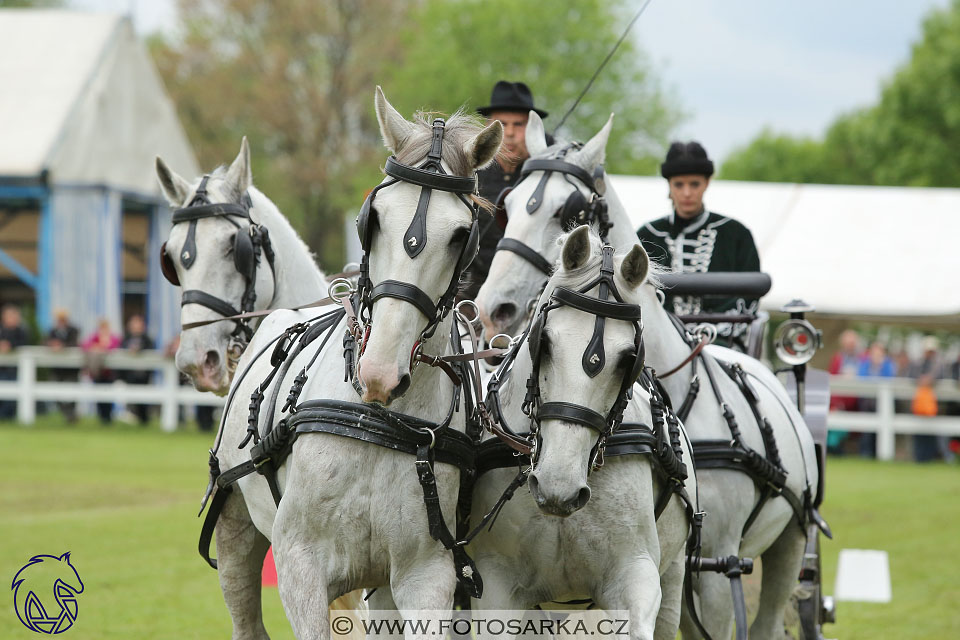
83	113
864	251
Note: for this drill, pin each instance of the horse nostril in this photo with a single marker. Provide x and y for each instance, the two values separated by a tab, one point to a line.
212	360
534	486
504	312
402	387
583	497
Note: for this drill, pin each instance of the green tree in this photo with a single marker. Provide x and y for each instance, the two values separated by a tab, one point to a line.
454	52
298	77
910	137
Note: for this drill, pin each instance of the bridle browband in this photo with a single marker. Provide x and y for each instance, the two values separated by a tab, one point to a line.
429	175
247	248
593	360
576	209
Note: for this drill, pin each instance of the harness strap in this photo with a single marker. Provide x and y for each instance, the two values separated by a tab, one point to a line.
527	253
204	299
467	574
404	291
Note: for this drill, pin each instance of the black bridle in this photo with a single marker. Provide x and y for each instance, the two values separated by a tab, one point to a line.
249	243
429	175
593	360
576	209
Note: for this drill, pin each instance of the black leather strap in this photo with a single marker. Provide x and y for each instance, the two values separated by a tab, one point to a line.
407	292
429	179
572	413
195	296
561	166
197	212
527	253
604	308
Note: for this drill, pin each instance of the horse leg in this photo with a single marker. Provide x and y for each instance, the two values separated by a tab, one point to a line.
671	586
634	588
714	607
240	552
302	576
781	569
424	584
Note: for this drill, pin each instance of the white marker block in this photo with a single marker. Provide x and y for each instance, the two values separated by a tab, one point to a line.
863	575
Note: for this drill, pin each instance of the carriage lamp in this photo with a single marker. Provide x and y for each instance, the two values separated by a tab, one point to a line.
796	340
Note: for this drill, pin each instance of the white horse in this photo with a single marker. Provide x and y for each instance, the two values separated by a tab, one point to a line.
202	354
608	546
727	497
292	280
352	514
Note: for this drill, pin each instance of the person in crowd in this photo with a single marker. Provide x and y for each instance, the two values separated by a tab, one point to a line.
692	239
926	372
12	336
136	340
876	364
511	104
845	362
96	347
63	335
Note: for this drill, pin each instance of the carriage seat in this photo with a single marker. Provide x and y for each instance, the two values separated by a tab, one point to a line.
749	284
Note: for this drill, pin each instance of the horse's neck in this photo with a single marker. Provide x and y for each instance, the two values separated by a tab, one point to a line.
665	347
299	279
622	235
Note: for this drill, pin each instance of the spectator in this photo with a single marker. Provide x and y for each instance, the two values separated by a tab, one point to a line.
61	336
96	347
876	364
926	372
136	340
12	335
845	362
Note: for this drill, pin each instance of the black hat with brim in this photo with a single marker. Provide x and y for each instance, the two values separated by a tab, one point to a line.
686	158
511	96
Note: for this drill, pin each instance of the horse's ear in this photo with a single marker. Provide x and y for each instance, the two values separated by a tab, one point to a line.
394	128
239	176
594	151
65	557
482	148
535	135
175	188
576	248
635	266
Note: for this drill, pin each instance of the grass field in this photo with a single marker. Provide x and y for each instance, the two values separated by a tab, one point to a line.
123	500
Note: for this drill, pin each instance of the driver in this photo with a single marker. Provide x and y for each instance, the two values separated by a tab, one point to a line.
511	104
693	239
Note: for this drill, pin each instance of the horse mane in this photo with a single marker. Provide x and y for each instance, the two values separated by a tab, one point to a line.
460	127
577	278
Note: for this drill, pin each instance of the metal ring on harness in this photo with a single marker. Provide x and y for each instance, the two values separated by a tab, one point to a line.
339	289
463	318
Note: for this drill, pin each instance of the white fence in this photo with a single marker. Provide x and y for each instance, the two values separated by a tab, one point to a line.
884	421
165	390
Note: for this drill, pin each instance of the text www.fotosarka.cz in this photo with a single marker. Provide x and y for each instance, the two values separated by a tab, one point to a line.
554	623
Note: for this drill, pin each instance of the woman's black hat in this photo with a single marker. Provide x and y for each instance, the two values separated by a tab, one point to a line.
511	96
686	158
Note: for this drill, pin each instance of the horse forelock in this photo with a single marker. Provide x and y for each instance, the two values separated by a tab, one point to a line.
459	129
577	278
